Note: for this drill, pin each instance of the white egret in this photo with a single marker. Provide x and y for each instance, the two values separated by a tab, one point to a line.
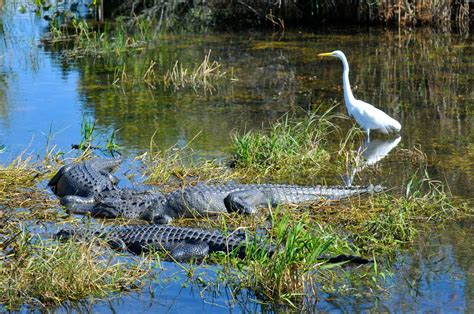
366	115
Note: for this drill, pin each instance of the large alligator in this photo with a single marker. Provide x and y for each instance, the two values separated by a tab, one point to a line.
81	184
183	243
93	189
207	200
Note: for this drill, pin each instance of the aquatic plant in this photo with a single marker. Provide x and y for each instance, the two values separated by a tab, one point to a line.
88	128
87	132
80	39
292	149
18	189
43	273
204	75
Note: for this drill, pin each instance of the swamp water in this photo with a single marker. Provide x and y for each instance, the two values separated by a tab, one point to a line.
423	79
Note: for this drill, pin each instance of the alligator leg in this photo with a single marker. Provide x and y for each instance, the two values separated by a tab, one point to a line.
184	251
156	218
104	211
78	204
118	245
179	251
112	178
245	202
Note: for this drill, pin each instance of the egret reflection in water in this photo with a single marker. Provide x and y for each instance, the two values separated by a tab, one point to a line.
369	154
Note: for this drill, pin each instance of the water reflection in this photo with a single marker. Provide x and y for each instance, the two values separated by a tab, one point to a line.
369	154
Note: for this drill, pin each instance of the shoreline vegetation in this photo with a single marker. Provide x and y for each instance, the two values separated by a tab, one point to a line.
445	14
376	226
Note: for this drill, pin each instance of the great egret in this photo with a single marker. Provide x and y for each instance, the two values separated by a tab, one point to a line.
366	115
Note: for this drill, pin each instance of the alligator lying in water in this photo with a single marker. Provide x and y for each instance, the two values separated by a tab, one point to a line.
109	201
84	182
207	200
183	243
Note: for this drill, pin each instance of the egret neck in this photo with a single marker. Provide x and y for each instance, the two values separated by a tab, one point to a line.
348	97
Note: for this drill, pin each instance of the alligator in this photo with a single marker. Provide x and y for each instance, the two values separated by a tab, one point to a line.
90	187
81	184
184	243
208	200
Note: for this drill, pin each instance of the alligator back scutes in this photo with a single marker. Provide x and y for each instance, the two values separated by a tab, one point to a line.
169	234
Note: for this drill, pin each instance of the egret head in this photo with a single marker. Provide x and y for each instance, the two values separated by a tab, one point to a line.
336	53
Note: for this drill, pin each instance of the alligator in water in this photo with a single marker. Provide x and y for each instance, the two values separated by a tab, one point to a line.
107	200
184	243
81	184
208	200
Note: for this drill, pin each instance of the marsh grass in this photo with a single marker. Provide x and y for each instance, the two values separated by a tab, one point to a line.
175	167
18	190
287	274
204	75
43	272
115	39
385	223
292	149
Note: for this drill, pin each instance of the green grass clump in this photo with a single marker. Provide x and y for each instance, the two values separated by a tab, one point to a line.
41	272
286	275
291	149
289	274
204	75
115	39
387	222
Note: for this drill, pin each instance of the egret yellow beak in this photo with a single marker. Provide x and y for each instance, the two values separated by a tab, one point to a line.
325	54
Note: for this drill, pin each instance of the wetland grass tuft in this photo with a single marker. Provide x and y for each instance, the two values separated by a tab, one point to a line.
18	190
292	149
44	273
81	39
204	75
175	167
287	274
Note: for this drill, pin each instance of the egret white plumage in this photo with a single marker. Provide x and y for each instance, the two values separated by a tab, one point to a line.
366	115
